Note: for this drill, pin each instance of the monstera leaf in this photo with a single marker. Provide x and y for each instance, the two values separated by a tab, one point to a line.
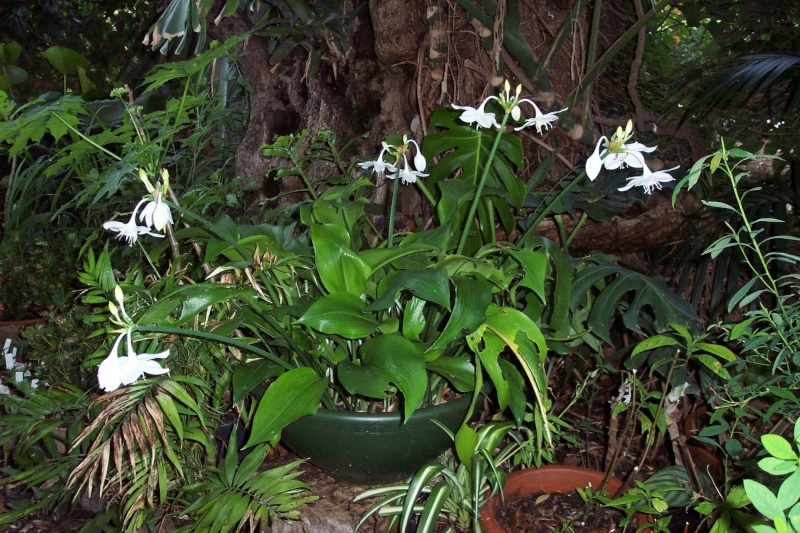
647	304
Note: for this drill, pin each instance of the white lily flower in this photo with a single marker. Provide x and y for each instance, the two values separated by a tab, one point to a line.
539	120
407	175
129	230
116	371
616	155
379	165
479	116
156	213
649	180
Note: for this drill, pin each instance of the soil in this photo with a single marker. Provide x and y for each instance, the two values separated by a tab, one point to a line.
557	511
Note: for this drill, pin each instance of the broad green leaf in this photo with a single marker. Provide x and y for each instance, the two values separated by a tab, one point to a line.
398	359
789	491
778	447
339	314
776	467
431	285
340	268
413	319
763	500
459	371
712	364
293	395
720	351
9	52
248	376
652	343
632	294
65	61
472	299
466	443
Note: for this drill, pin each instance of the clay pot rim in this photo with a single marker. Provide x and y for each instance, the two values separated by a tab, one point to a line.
522	483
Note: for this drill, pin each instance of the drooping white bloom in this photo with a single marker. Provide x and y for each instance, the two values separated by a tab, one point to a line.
116	370
649	180
407	174
479	116
379	165
156	213
129	230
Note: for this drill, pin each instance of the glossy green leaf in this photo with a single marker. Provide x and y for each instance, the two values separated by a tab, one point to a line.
394	357
293	395
789	491
459	371
431	285
339	314
472	299
340	268
248	376
778	447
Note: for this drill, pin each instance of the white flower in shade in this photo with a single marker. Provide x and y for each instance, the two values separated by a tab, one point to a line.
617	153
479	116
649	180
539	120
129	231
116	371
407	174
379	165
156	213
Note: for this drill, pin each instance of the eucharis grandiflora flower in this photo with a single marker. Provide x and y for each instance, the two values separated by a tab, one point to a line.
156	214
399	167
649	180
511	104
129	231
617	152
118	370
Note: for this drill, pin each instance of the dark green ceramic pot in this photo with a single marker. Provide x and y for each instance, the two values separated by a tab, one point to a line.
374	448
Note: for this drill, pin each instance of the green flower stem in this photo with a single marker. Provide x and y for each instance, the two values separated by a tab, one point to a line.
549	205
87	139
391	212
149	260
426	192
474	207
576	229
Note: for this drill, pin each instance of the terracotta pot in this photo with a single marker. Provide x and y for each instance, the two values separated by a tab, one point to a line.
552	478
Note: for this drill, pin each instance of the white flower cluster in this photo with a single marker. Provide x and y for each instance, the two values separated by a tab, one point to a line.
399	153
156	214
511	105
117	370
618	153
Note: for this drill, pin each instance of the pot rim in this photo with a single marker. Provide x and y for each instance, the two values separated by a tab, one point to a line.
525	482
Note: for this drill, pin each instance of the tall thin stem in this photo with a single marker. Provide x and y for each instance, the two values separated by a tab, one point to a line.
548	205
390	237
474	207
